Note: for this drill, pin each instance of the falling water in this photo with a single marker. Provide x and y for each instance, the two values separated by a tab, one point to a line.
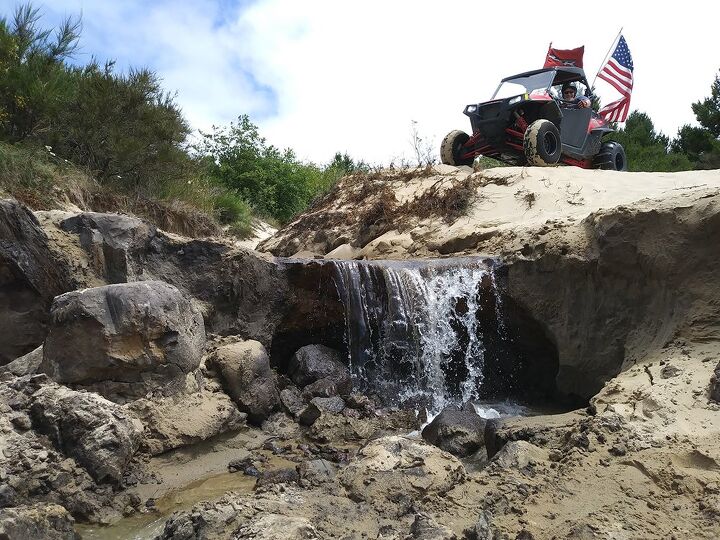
413	328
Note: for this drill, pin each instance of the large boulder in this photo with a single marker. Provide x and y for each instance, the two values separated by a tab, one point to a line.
244	369
37	522
99	434
320	371
460	432
394	466
115	243
124	340
30	277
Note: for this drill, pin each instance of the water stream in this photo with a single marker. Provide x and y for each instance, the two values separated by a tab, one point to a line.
415	330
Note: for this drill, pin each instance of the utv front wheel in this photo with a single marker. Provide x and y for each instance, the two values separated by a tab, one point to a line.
451	148
611	157
542	143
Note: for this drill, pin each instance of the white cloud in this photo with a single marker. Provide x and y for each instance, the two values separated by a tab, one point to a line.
322	76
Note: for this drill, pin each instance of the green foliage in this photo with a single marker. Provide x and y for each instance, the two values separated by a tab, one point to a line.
36	83
701	144
646	149
275	183
707	111
124	128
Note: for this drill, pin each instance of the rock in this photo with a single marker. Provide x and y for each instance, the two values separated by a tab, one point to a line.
279	476
186	419
275	526
669	371
460	432
115	243
518	455
292	400
26	364
37	522
715	384
317	471
484	529
313	363
245	372
124	340
343	252
30	277
426	528
391	467
319	406
101	435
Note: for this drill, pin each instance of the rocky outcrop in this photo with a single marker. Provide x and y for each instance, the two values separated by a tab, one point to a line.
26	364
244	369
186	418
115	243
99	434
37	522
320	372
392	467
124	340
32	466
30	277
460	432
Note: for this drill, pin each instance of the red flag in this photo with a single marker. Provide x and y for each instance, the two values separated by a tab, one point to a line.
564	57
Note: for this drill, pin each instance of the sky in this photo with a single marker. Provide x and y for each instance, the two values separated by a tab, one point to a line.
326	76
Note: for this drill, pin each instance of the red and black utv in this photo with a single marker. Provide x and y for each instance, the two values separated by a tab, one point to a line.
528	122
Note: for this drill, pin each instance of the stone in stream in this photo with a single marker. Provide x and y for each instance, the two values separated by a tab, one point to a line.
460	432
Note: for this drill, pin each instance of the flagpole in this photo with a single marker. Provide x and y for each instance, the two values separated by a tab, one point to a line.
592	86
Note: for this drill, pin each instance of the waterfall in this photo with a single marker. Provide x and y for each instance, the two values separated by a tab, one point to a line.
413	328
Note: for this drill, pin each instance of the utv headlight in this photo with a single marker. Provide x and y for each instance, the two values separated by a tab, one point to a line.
514	100
471	108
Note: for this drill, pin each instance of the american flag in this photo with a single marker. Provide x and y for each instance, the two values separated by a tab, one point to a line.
618	71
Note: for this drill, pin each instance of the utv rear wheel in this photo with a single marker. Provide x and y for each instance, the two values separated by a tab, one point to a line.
451	148
611	157
542	143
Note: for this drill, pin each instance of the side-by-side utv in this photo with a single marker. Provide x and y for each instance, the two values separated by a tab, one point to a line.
528	123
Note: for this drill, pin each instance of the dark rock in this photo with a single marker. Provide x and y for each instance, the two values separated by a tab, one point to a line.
618	450
317	471
460	432
246	376
426	528
279	476
98	433
37	522
30	277
115	243
669	371
8	496
715	384
313	363
124	340
292	400
319	406
245	465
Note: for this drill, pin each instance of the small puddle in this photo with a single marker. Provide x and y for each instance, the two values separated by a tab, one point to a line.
148	526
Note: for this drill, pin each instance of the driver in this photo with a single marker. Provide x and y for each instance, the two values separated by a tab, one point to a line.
570	99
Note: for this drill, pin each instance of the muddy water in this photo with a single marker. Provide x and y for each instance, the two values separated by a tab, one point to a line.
147	526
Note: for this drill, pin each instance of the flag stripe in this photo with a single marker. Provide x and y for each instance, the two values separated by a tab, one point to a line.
620	74
620	88
622	70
